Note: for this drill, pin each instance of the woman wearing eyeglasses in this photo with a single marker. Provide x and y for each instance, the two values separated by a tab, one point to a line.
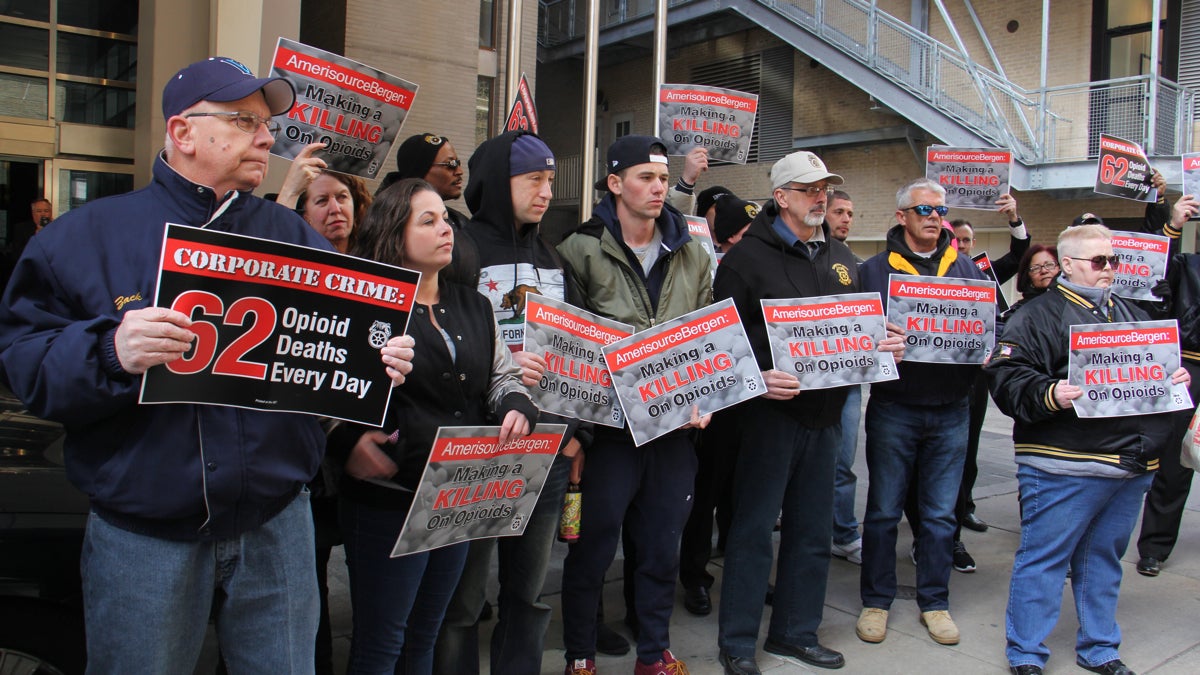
1035	272
1081	479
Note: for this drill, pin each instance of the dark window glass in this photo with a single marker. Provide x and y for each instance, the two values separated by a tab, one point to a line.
24	47
80	187
113	16
97	57
487	23
33	10
93	104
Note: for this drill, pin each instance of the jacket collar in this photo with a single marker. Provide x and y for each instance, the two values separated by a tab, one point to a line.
670	223
199	204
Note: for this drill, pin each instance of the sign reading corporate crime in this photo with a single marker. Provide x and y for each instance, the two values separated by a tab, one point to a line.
1125	368
701	358
692	115
474	488
356	110
974	178
829	341
947	320
984	264
577	382
1122	170
1191	174
279	327
1143	264
523	114
698	228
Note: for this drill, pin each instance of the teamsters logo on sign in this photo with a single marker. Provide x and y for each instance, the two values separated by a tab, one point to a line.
278	327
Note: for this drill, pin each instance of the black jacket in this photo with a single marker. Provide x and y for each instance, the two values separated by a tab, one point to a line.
930	384
1031	357
478	387
762	265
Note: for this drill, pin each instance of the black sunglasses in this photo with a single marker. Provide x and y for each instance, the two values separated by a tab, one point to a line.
924	210
449	164
1099	261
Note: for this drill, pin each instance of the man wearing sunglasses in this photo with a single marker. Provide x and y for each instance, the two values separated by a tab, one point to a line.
1081	479
916	429
197	510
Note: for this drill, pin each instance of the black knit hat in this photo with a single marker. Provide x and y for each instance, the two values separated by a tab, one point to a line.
733	215
706	198
415	157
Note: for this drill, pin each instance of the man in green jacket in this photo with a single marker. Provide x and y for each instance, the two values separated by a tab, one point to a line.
635	262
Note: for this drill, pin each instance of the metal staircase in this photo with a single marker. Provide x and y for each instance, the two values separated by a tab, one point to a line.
1053	133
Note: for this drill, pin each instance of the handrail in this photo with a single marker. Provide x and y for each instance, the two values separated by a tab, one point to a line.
1068	117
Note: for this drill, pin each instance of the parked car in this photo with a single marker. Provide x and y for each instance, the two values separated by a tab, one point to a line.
42	517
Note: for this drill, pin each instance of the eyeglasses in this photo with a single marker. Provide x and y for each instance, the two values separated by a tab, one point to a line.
811	190
1044	267
244	119
925	210
1099	261
451	164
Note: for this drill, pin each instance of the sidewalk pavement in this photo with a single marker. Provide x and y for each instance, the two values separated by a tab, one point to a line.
1157	615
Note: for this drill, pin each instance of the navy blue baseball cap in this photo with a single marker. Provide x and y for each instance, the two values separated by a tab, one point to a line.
629	151
222	80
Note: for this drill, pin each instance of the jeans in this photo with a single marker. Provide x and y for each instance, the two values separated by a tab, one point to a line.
904	443
1083	521
717	456
147	601
845	525
520	635
649	490
783	464
398	603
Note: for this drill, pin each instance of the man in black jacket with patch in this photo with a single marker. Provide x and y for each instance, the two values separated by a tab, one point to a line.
791	437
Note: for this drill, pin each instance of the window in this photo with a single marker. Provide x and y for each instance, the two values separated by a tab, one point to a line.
487	24
1122	39
622	125
95	57
78	187
485	88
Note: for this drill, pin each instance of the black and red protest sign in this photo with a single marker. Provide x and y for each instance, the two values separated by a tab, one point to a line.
279	327
1123	170
984	264
523	114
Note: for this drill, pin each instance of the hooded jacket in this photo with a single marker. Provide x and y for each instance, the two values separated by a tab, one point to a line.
762	265
177	471
601	271
926	384
513	258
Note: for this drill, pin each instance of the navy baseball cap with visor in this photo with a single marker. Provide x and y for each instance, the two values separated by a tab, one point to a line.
629	151
222	80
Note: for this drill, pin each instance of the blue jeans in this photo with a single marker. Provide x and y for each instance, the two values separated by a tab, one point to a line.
907	442
1083	521
845	525
649	491
147	600
520	634
783	464
398	603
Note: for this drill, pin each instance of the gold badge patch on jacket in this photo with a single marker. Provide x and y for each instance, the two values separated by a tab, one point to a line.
843	274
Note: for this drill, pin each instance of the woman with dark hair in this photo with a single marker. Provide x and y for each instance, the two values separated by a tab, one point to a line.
1035	272
463	374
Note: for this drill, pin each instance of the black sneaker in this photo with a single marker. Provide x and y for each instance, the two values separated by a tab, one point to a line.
963	562
1149	567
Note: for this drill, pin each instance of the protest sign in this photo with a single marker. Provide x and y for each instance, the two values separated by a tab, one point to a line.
829	341
1191	174
1125	369
1143	264
356	110
1122	170
278	327
474	488
698	228
701	358
984	264
722	120
974	178
577	382
947	320
523	114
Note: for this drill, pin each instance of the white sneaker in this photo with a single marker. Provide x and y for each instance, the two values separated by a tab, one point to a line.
851	552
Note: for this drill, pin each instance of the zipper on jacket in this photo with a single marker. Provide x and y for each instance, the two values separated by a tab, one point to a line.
203	472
